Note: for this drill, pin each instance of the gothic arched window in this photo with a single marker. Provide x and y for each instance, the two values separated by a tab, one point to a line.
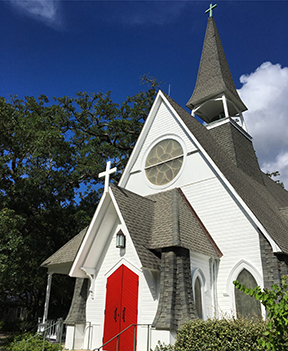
198	298
247	306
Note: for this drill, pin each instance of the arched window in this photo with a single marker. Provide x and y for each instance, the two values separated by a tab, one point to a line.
198	298
247	306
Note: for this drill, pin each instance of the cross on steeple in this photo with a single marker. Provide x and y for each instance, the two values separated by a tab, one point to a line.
210	9
106	174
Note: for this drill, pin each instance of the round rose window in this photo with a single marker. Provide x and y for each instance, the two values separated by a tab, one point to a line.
164	162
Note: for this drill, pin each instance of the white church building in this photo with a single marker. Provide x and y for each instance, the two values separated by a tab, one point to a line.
192	213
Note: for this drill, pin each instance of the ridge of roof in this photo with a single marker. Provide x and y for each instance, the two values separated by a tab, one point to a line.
214	76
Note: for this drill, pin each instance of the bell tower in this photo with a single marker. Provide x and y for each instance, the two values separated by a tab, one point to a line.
216	101
215	96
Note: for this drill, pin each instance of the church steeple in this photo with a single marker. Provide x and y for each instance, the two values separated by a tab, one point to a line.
215	95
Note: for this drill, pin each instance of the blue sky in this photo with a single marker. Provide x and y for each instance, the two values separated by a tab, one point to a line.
58	48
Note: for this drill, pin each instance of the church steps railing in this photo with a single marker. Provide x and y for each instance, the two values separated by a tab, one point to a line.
134	342
56	328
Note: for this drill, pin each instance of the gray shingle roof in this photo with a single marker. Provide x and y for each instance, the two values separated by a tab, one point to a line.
176	224
137	212
154	222
214	76
67	253
239	148
162	220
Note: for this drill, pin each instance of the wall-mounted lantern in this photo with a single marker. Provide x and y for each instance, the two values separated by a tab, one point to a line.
120	240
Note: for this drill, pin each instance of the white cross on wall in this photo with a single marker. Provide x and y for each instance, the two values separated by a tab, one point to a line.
106	174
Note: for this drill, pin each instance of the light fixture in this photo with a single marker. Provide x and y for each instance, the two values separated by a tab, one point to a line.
120	240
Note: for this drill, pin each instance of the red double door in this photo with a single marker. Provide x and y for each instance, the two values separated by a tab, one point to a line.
121	309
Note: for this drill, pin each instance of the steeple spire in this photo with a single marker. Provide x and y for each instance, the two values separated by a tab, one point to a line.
215	95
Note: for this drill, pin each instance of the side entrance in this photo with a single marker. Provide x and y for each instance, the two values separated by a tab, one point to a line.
121	309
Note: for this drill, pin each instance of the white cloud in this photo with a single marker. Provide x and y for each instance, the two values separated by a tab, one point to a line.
46	11
265	93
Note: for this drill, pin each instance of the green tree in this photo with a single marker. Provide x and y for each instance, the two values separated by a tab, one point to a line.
275	174
50	157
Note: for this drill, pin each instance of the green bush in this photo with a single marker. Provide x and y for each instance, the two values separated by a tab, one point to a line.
220	334
34	344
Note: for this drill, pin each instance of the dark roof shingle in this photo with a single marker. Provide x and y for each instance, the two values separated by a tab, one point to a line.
214	76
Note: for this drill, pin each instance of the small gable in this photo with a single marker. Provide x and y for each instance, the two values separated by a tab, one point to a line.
160	221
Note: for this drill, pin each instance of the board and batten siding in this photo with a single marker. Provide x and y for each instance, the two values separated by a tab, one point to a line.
112	259
232	231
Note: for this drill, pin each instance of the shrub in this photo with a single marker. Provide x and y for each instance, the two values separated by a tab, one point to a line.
34	344
220	334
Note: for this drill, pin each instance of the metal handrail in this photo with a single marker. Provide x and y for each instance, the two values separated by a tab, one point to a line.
44	335
117	336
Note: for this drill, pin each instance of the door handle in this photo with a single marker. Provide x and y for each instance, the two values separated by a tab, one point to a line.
123	314
115	314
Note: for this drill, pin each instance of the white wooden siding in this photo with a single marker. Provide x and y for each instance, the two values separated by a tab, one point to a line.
230	228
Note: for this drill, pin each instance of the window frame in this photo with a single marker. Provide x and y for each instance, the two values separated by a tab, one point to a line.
230	288
198	273
147	152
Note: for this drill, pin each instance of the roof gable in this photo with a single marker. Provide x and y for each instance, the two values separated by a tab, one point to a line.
162	220
162	122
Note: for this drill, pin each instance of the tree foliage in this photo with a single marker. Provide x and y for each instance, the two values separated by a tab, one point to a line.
50	158
275	301
275	174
